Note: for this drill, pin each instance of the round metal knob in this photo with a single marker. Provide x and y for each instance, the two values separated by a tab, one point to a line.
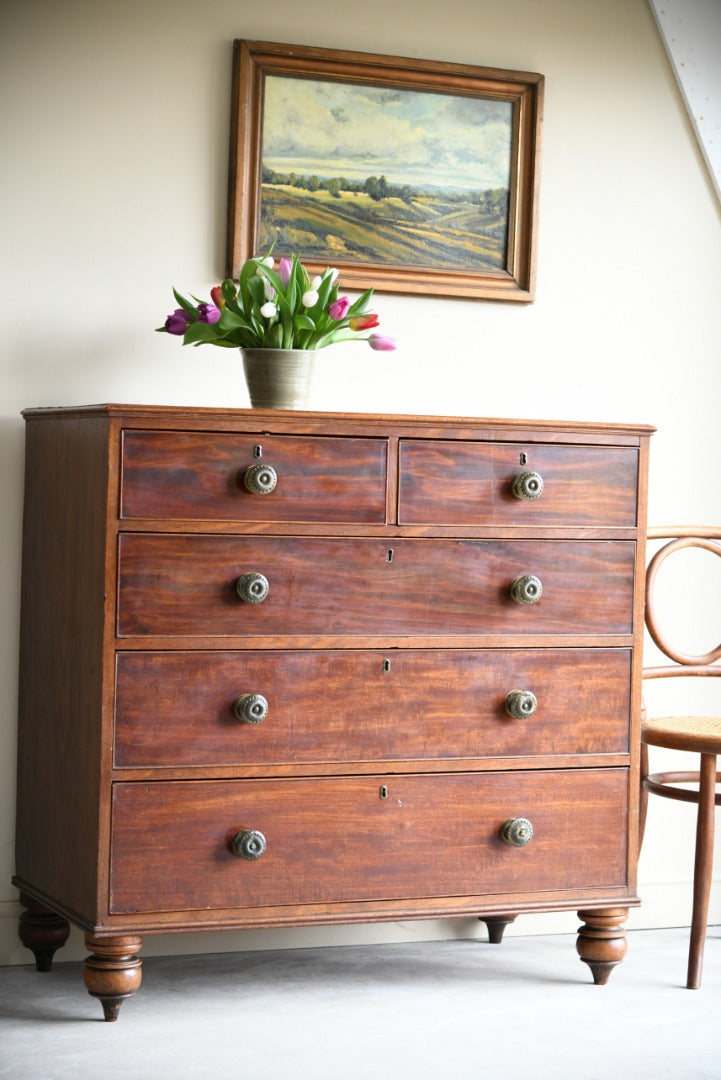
517	831
527	485
526	589
248	844
250	708
252	588
520	704
260	478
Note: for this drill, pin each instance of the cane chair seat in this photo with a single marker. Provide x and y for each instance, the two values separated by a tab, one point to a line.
701	734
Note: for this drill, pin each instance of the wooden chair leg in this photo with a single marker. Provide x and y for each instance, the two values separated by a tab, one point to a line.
702	868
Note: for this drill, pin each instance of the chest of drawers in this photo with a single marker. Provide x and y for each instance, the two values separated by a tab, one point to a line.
290	668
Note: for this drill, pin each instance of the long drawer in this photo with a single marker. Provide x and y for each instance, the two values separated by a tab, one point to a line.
472	483
188	585
202	476
364	838
308	707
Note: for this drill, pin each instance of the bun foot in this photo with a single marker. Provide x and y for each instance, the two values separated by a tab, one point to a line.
496	926
41	931
602	941
113	971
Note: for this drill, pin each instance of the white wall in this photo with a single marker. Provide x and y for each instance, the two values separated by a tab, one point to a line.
115	153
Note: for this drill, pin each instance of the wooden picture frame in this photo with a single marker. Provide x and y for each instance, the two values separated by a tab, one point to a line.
410	176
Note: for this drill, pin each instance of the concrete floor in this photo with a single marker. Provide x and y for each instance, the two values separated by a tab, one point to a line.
524	1010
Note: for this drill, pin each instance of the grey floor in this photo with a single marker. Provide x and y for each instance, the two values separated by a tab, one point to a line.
524	1009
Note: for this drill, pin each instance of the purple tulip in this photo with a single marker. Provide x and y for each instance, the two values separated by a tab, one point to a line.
382	343
339	308
177	323
208	313
284	268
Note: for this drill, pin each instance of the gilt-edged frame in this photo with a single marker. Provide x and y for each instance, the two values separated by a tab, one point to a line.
448	205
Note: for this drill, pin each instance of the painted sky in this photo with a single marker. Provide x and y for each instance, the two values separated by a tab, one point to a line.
410	137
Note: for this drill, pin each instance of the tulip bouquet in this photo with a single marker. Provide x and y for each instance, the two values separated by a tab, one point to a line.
276	309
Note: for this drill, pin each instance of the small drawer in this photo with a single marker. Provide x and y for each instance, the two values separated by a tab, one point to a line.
309	707
186	585
370	838
477	483
209	476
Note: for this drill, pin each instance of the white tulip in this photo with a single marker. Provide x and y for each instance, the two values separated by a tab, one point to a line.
268	310
310	298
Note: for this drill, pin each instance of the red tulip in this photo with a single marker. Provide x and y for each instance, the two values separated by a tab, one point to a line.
363	322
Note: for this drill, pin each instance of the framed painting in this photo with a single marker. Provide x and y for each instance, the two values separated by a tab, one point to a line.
410	176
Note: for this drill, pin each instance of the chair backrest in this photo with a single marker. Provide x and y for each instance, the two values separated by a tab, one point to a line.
709	539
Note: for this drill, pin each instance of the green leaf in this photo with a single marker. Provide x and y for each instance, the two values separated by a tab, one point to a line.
360	305
272	277
274	337
233	305
232	320
256	290
186	305
199	333
246	275
324	290
336	336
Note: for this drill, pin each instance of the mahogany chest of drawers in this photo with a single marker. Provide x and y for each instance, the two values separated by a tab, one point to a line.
291	668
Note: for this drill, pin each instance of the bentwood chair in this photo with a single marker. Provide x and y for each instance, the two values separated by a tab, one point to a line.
697	734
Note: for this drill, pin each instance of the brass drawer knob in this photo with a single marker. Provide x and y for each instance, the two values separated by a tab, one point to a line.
252	588
248	844
521	703
250	708
517	831
526	589
260	478
528	485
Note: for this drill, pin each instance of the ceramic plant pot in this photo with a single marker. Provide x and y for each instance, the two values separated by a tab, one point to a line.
279	378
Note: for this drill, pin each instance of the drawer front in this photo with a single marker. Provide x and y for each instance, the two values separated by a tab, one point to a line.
471	483
186	585
338	839
176	474
352	706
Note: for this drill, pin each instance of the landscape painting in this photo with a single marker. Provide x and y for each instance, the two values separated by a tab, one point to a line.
389	176
408	175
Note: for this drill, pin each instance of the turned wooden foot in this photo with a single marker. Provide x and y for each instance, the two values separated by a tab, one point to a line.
42	931
496	925
113	971
602	941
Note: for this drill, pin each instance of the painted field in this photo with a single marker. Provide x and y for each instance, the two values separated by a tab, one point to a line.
432	231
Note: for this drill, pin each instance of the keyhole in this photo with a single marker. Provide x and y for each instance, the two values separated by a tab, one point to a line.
524	459
383	792
386	665
389	555
257	450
